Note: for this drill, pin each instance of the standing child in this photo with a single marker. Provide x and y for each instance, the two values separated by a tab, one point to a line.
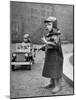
53	65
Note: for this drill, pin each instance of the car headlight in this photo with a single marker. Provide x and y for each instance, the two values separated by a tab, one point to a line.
26	54
14	55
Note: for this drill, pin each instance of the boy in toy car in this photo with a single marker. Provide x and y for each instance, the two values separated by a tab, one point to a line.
27	40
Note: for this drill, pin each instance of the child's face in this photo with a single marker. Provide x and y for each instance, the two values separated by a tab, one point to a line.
49	26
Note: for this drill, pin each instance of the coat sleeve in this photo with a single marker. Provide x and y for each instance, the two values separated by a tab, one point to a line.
48	42
56	39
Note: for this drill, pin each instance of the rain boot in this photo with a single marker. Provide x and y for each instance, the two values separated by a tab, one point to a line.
57	86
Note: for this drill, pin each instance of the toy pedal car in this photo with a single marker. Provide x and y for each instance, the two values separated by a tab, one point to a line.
23	55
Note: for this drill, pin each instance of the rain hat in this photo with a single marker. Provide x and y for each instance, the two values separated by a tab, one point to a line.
54	21
50	19
26	35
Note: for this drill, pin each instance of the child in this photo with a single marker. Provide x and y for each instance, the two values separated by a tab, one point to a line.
53	65
26	38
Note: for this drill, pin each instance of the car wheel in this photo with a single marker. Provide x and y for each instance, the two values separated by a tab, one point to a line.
13	68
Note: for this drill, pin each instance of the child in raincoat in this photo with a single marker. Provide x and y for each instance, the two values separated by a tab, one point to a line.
53	64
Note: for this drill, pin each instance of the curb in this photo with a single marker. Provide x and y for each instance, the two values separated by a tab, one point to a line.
68	80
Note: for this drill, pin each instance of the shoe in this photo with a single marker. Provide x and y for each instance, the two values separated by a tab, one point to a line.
56	89
49	86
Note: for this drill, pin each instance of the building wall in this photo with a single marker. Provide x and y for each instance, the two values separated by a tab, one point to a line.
64	15
28	18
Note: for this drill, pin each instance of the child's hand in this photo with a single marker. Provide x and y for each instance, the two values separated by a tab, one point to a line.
56	38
